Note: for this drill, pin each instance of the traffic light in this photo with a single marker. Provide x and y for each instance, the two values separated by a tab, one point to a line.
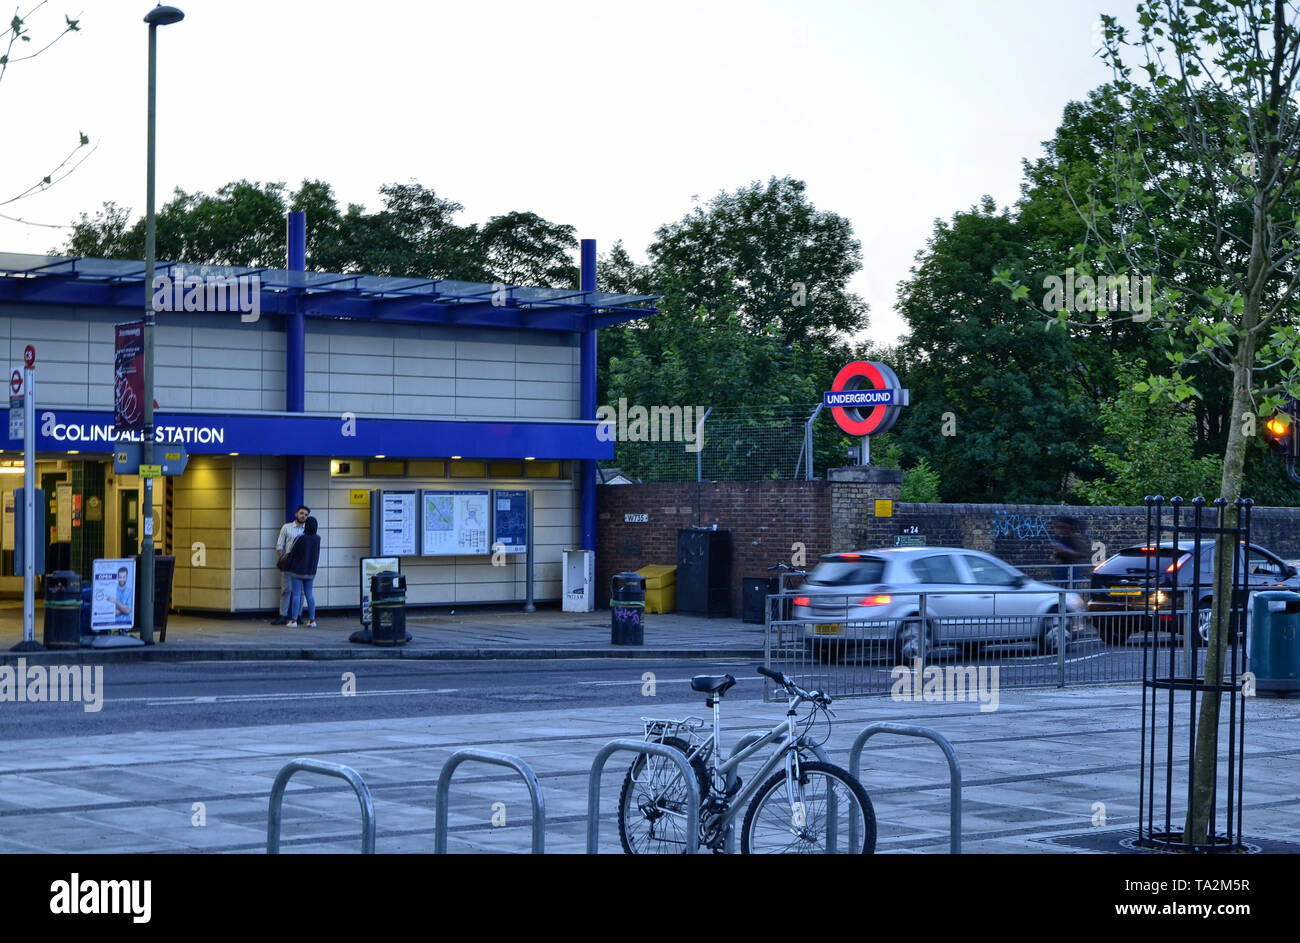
1281	434
1279	431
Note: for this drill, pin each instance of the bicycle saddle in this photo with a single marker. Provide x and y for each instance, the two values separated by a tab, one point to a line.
712	684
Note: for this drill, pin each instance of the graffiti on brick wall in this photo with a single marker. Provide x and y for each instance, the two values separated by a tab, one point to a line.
1020	526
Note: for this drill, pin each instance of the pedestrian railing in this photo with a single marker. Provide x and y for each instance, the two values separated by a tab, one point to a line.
650	749
954	772
495	759
1063	637
324	768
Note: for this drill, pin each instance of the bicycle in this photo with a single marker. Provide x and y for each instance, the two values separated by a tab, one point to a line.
810	807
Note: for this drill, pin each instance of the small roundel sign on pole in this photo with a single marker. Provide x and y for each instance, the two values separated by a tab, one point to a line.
865	398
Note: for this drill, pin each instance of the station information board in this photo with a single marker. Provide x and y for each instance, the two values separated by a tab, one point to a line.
454	523
510	521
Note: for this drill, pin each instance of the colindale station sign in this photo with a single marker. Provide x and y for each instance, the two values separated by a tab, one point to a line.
865	399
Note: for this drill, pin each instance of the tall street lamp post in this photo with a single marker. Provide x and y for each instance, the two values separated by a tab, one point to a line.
158	16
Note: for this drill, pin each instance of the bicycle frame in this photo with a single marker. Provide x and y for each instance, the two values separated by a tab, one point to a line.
720	806
785	738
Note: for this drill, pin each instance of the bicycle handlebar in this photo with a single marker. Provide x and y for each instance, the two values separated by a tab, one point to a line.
815	696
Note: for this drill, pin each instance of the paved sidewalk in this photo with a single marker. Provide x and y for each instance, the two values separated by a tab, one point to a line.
477	632
1047	765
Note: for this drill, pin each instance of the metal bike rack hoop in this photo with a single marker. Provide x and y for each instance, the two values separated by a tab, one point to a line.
324	768
494	759
954	769
650	749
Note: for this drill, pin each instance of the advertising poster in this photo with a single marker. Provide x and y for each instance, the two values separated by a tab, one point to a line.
372	566
112	599
128	376
454	522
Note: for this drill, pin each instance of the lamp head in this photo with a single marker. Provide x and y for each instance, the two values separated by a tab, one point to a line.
163	16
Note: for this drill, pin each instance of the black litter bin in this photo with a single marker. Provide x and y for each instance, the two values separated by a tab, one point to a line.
627	605
63	609
388	608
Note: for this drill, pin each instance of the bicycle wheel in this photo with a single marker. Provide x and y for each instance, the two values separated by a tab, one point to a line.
652	805
816	820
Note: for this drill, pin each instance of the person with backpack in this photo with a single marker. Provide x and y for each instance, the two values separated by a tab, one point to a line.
304	558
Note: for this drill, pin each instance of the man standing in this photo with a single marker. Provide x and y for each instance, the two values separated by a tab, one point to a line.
288	534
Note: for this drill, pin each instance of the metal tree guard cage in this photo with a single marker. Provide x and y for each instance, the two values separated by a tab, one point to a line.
1168	670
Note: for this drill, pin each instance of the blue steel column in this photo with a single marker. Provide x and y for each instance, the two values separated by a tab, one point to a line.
295	360
587	402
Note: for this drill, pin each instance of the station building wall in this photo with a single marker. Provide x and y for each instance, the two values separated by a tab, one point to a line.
215	362
226	510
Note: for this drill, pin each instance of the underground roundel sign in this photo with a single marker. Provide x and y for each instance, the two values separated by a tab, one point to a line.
865	398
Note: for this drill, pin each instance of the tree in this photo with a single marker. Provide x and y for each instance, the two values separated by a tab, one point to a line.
415	234
524	249
20	37
1223	74
785	264
1149	447
920	482
998	410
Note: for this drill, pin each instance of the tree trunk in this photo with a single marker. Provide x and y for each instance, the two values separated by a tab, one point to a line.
1205	763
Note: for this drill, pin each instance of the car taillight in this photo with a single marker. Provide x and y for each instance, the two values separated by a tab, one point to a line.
875	601
850	556
1179	564
802	601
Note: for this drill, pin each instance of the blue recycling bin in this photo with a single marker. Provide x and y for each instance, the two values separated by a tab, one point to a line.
1275	644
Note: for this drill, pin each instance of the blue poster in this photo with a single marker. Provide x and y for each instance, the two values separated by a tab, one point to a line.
511	531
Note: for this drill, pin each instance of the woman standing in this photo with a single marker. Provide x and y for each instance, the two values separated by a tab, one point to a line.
303	561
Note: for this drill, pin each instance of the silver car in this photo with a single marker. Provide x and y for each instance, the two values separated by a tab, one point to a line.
872	599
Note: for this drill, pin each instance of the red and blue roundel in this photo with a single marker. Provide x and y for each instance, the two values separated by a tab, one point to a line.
865	398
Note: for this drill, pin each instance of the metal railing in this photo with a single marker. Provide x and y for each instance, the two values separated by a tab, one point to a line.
1081	636
954	770
650	749
324	768
495	759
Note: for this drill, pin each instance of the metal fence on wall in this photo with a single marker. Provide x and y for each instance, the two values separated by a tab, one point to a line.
742	443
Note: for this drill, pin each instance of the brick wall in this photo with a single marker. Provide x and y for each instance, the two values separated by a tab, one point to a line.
1020	534
766	518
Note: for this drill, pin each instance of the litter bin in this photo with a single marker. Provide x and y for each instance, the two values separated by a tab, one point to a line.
63	609
388	608
627	609
1275	644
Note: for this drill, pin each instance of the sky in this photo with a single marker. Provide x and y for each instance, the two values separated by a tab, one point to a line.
613	117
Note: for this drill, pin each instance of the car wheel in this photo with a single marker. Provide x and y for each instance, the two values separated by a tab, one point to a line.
1204	618
1049	633
907	641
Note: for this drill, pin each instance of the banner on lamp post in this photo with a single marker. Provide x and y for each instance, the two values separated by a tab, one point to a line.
128	376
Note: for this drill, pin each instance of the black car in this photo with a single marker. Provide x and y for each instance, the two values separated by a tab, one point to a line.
1143	578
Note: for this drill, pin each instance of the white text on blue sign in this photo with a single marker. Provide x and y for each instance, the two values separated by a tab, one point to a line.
859	398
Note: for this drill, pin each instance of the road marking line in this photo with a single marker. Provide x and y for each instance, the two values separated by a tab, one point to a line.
639	681
306	695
